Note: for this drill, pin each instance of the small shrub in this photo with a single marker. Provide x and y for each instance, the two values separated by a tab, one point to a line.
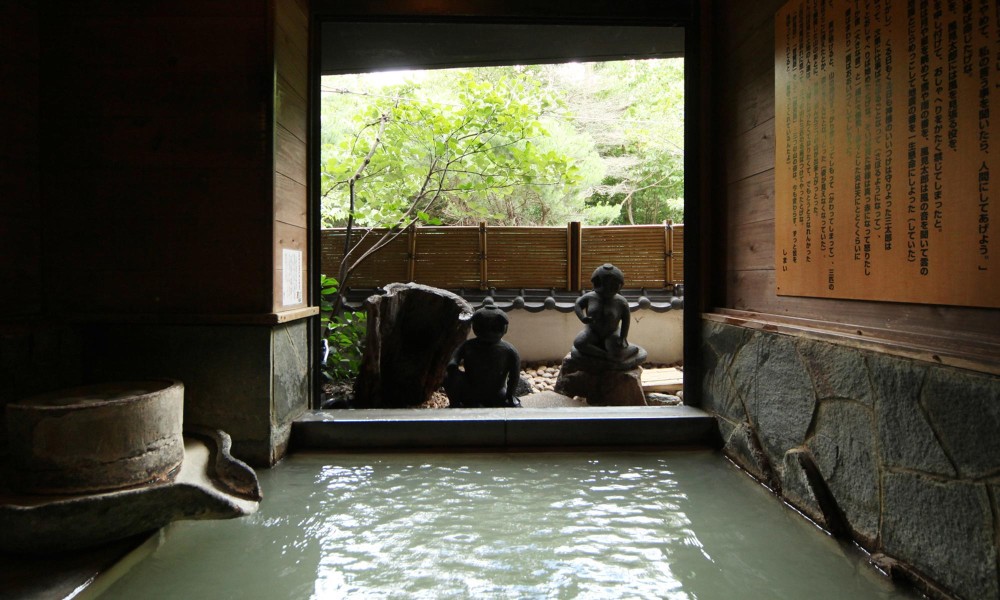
344	333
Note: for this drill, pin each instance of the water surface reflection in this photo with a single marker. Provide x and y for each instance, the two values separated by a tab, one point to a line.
518	525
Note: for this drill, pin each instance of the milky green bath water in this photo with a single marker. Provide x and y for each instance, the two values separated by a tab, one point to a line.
518	525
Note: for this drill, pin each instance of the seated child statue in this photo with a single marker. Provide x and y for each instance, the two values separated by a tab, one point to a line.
485	370
606	315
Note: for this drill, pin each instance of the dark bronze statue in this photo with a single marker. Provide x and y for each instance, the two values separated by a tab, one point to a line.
605	313
485	369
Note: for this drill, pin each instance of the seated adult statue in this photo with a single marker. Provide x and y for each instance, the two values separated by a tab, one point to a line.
606	315
485	369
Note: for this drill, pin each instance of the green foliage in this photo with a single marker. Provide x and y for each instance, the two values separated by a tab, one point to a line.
344	332
458	145
646	177
521	145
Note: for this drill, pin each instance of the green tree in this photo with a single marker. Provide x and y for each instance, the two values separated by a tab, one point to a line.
634	111
413	157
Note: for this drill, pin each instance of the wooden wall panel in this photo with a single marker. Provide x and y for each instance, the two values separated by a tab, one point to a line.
743	87
20	217
291	117
288	206
157	198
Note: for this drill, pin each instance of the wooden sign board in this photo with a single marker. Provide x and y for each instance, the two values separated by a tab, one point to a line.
887	166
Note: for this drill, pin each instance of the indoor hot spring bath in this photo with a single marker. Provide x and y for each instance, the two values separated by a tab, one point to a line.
629	524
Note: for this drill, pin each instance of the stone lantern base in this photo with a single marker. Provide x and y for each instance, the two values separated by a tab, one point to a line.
582	376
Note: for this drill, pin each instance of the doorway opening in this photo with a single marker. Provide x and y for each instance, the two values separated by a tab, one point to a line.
573	126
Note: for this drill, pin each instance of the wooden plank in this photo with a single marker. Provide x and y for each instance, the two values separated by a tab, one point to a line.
201	95
662	380
753	58
20	271
176	45
751	153
754	291
572	11
291	109
147	242
205	290
20	184
290	156
750	105
290	201
19	94
293	14
738	20
20	137
291	237
100	9
750	245
179	141
214	193
751	199
291	51
933	349
19	41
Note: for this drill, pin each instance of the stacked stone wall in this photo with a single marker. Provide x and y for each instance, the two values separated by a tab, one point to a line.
899	455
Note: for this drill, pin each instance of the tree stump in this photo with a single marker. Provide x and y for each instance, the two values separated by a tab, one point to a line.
413	330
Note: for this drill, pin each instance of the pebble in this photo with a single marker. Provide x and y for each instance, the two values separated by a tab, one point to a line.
543	378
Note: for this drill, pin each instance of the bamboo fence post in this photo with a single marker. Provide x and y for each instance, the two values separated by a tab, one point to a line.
411	254
668	251
575	258
483	266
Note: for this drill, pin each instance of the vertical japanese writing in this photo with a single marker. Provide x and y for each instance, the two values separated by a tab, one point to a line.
987	39
984	217
886	118
888	133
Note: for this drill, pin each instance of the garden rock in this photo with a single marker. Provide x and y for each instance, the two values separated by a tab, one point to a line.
607	388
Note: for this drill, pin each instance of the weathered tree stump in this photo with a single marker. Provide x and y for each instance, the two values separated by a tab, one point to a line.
413	330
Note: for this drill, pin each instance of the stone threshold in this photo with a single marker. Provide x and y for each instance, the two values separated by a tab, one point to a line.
501	428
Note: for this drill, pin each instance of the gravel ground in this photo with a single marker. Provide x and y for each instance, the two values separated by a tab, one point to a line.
542	376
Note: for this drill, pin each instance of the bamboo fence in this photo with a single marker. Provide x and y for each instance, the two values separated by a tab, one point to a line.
483	257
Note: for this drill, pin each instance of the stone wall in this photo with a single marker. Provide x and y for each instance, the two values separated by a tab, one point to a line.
901	456
249	380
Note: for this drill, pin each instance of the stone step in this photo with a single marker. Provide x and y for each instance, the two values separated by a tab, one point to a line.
667	380
658	426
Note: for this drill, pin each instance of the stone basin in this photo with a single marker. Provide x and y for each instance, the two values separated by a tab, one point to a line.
210	484
97	438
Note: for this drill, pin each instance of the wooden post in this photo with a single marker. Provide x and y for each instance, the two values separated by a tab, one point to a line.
574	247
483	271
668	252
411	267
